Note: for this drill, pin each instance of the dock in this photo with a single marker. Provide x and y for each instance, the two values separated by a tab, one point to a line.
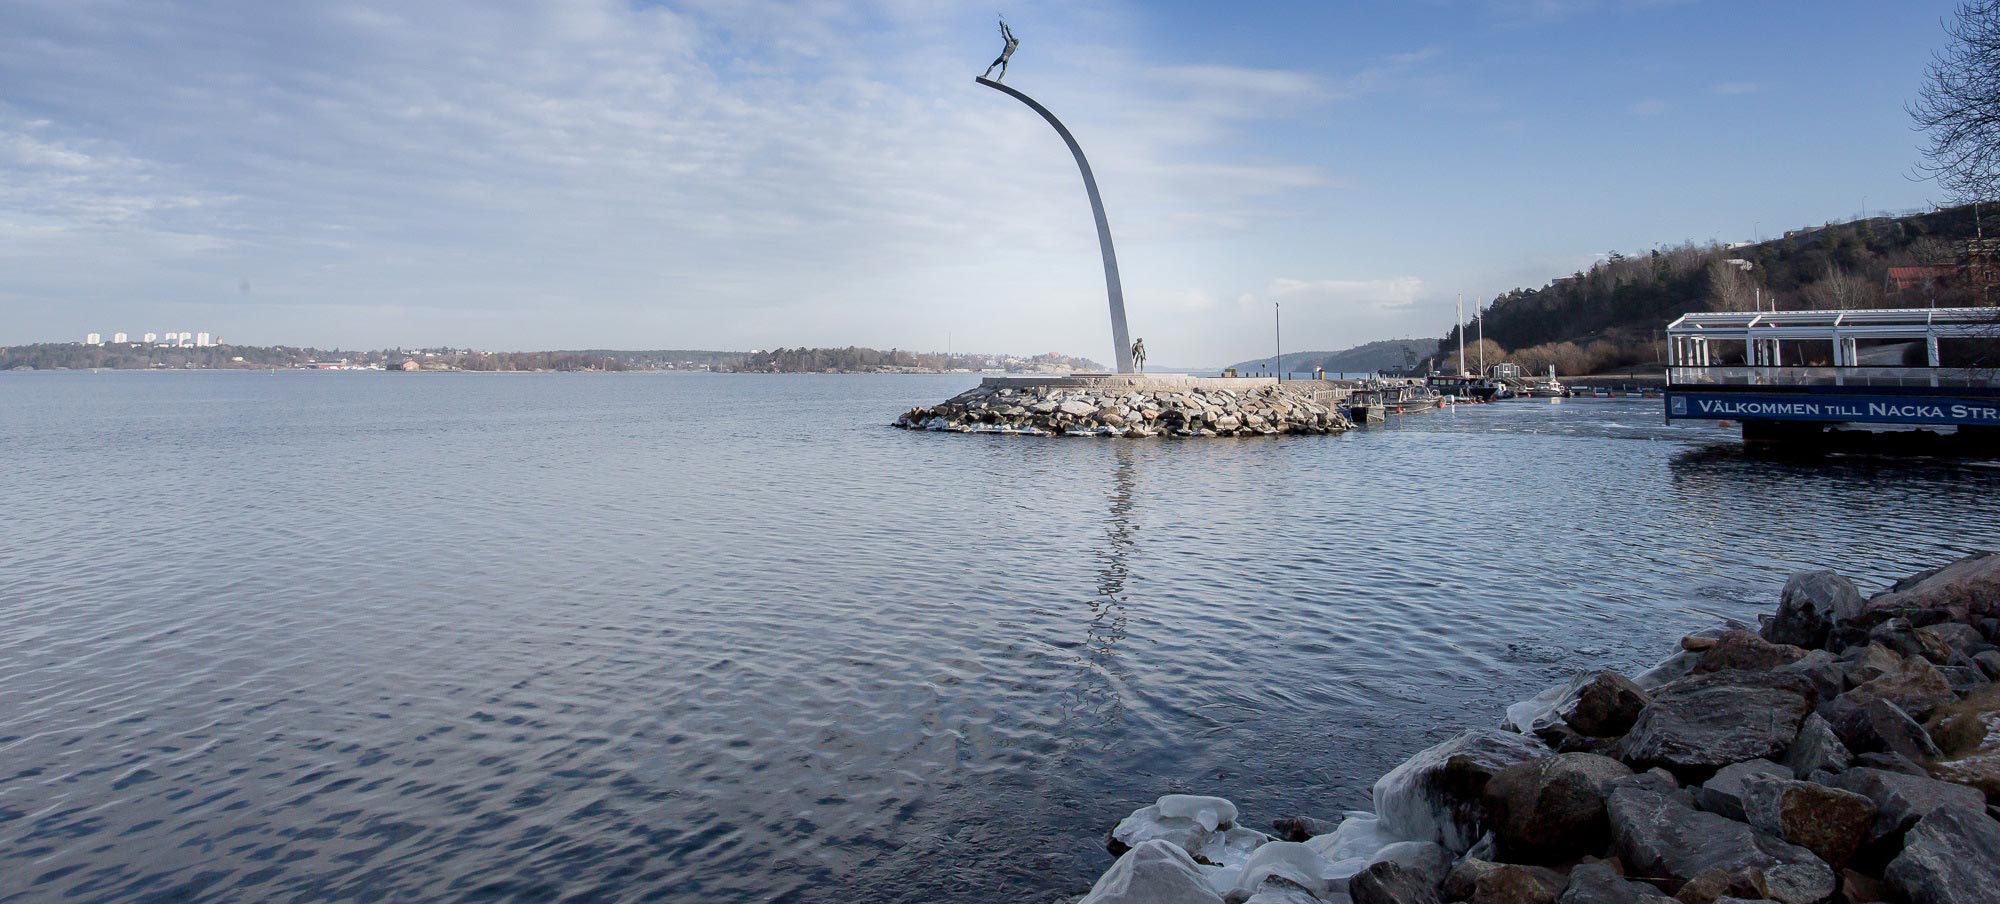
1792	377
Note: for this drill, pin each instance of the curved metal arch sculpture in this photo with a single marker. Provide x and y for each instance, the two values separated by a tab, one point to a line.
1120	337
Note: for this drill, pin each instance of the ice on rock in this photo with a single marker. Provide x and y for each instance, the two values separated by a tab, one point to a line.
1232	847
1152	872
1358	838
1425	858
1203	827
1672	668
1361	840
1545	709
1435	795
1221	878
1294	862
1210	813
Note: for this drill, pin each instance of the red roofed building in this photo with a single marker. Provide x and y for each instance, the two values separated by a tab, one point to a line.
1905	278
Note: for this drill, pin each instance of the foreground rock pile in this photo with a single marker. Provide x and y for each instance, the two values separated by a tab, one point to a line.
1109	411
1847	751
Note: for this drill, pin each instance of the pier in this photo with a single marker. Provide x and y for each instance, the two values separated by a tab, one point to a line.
1793	376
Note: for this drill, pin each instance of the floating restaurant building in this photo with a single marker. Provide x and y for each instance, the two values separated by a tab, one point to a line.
1790	376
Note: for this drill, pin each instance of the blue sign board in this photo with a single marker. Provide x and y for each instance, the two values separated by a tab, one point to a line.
1856	409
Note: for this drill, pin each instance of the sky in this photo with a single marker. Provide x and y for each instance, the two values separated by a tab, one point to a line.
738	174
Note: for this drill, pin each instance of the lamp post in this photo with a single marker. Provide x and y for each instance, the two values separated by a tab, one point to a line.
1278	325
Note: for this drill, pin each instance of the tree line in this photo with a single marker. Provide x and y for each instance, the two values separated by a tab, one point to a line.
863	360
1614	314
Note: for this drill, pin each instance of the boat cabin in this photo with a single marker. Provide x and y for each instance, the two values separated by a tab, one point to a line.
1908	347
1922	367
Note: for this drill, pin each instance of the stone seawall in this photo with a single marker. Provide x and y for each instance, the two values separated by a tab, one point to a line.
1134	406
1845	750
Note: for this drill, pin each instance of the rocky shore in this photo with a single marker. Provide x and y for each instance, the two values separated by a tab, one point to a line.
1136	411
1845	750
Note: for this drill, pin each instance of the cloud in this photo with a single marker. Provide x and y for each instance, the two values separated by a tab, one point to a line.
1648	107
725	173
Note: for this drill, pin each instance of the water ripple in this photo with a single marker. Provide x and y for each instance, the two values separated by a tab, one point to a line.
645	637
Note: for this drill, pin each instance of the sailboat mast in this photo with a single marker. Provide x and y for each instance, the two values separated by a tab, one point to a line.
1461	333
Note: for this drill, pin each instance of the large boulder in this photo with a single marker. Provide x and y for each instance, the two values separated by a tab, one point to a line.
1951	856
1154	872
1882	726
1827	821
1486	882
1861	888
1988	662
1722	794
1964	591
1961	639
1868	662
1300	828
1511	884
1811	603
1704	722
1425	858
1745	651
1902	636
1390	883
1900	800
1968	733
1437	794
1606	706
1552	809
1817	749
1662	838
1715	885
1548	707
1827	674
1913	685
1597	883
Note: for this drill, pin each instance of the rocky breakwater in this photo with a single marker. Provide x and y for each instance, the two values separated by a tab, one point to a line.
1845	750
1135	408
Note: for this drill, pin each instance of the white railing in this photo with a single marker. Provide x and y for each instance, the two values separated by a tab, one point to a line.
1939	377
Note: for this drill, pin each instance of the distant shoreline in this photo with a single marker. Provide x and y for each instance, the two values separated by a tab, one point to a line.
662	372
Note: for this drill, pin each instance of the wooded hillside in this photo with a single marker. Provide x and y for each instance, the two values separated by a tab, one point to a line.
1614	314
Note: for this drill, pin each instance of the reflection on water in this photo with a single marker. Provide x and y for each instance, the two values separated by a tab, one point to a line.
1099	704
448	637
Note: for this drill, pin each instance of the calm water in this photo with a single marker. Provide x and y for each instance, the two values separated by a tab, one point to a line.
385	637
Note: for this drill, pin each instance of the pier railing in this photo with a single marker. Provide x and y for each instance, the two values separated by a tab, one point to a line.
1935	377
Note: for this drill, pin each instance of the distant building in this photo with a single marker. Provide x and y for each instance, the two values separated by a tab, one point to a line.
201	340
93	339
1906	278
183	339
152	338
412	365
120	338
